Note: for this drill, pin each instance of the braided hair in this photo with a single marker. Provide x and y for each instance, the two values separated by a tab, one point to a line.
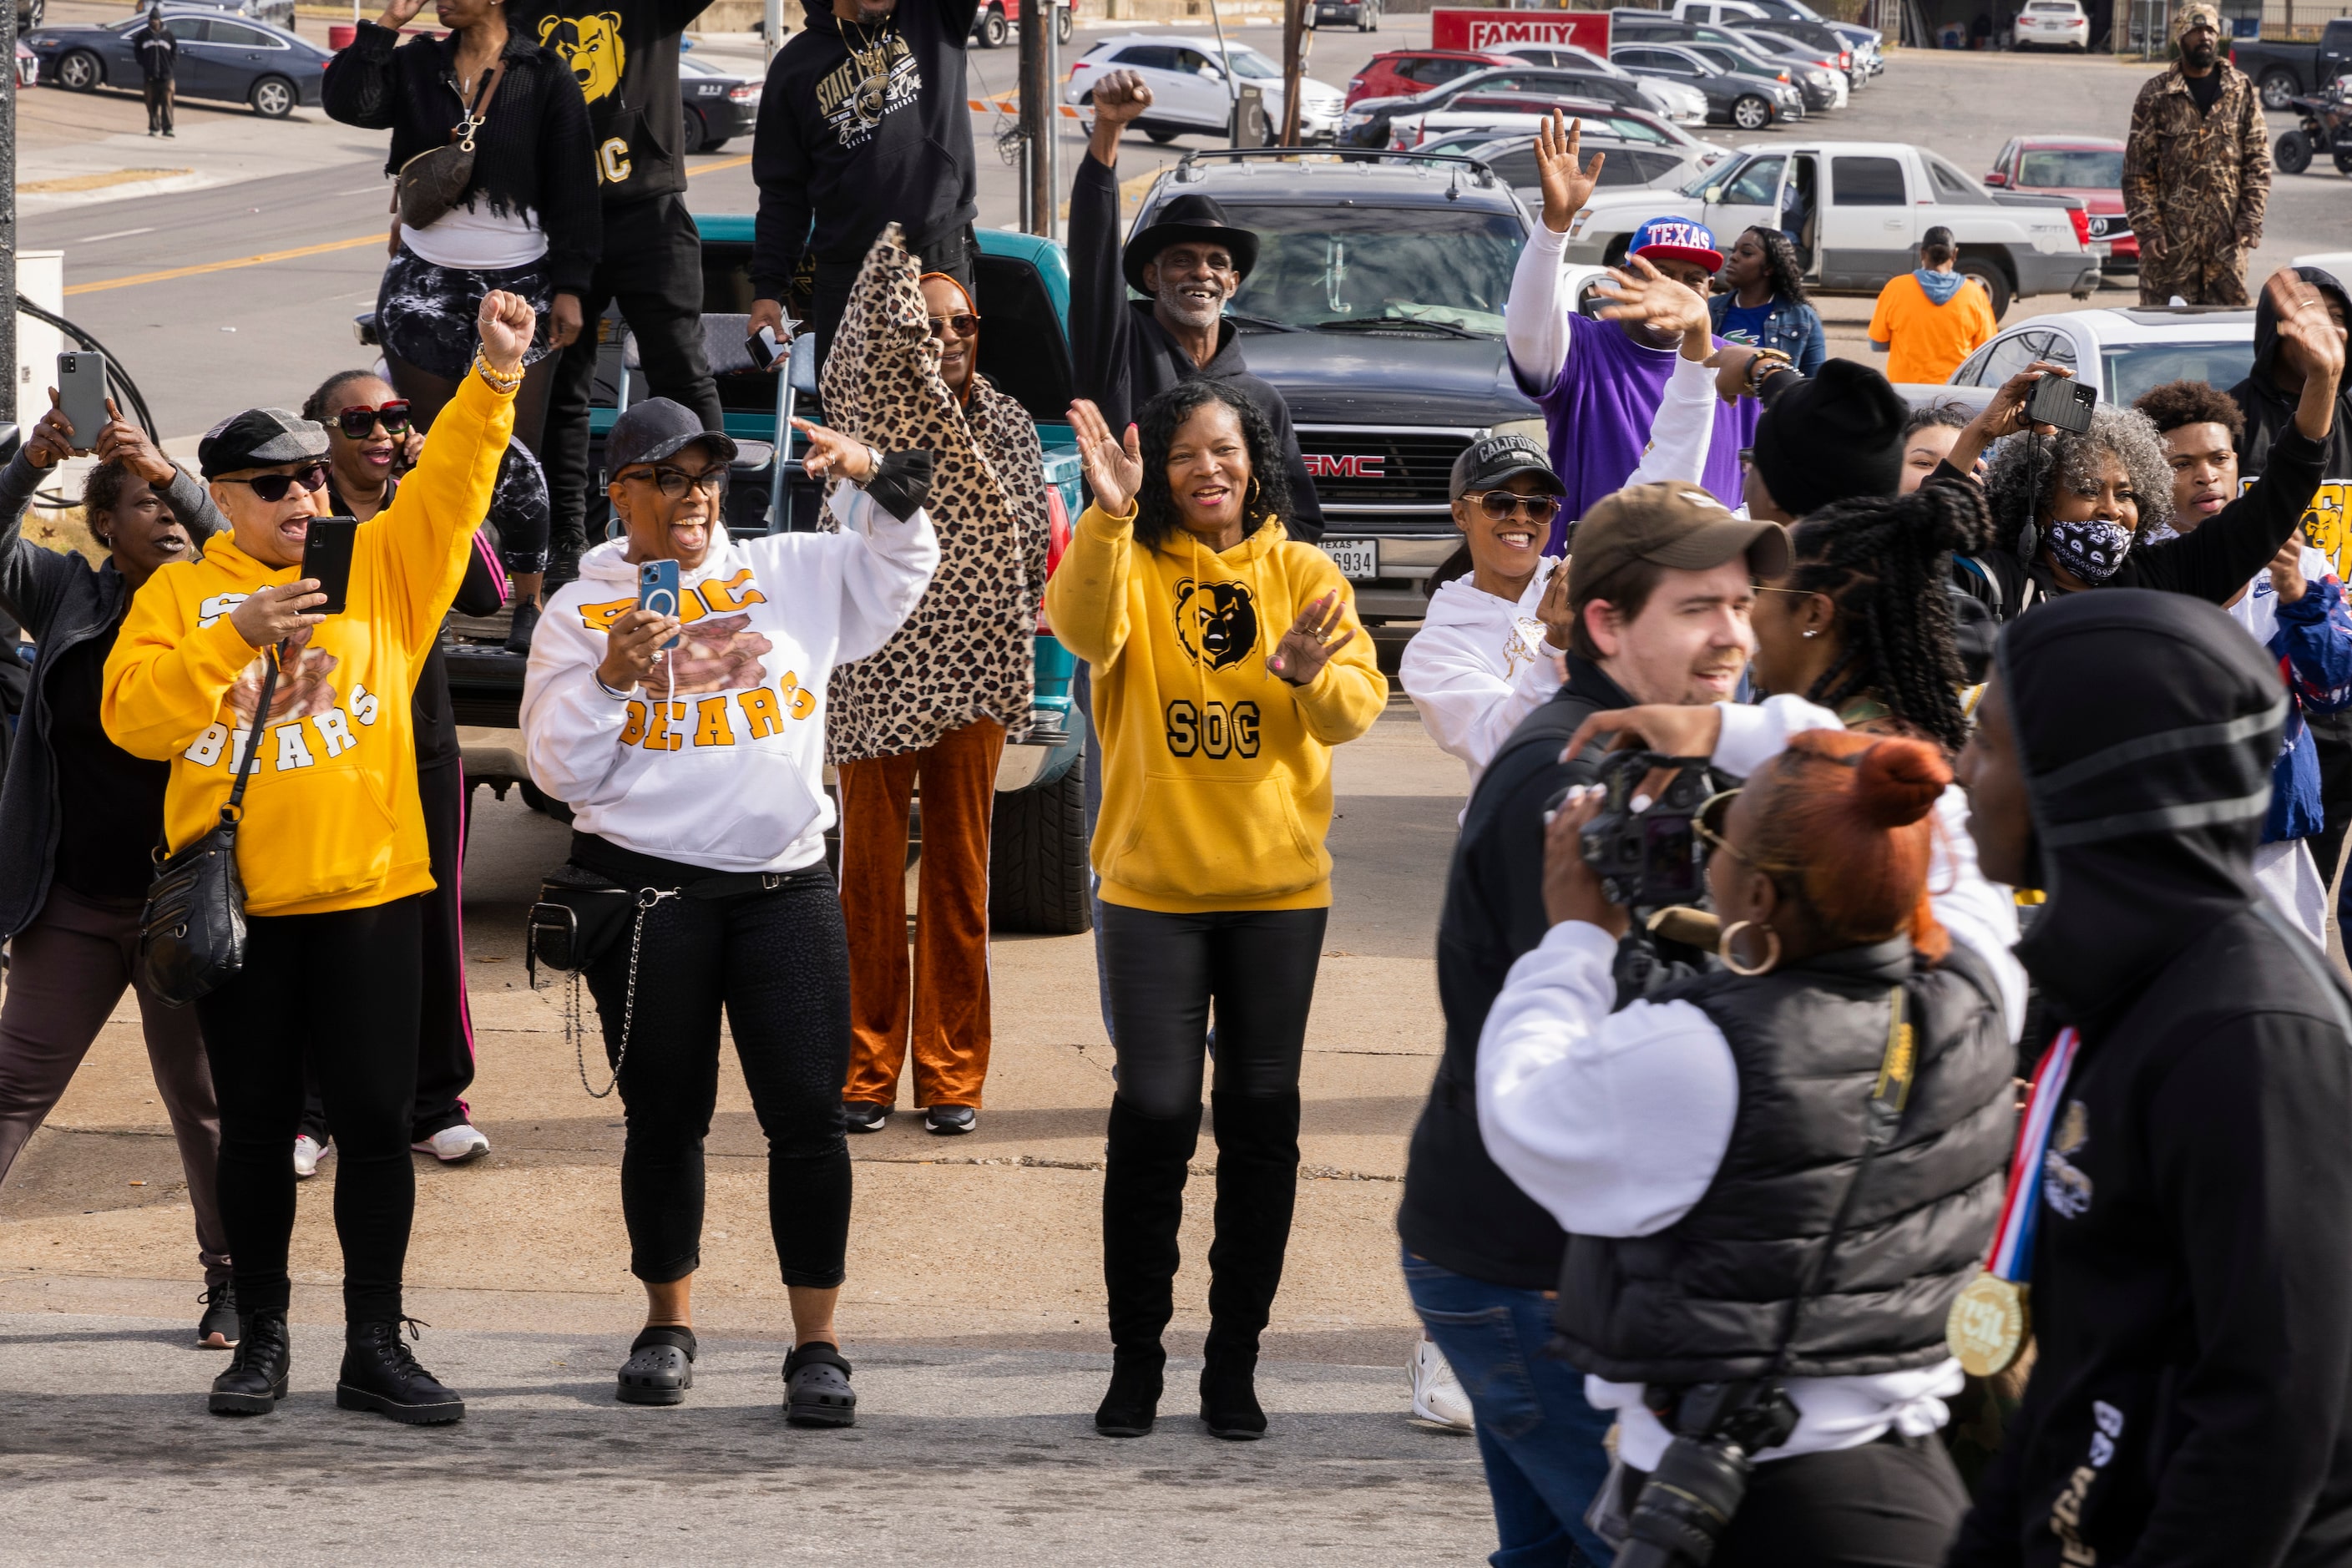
1885	562
1157	515
1780	269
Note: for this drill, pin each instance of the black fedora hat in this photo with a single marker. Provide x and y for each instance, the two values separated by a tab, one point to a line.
1194	217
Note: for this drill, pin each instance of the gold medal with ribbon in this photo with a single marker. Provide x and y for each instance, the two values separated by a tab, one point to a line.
1988	1324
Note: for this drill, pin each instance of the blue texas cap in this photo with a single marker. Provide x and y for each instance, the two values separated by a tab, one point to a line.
1676	239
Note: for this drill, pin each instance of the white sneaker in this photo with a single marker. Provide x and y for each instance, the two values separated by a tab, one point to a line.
454	1145
1437	1395
308	1152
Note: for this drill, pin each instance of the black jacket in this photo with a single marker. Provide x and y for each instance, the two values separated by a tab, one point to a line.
2269	420
835	161
2212	563
62	604
533	153
1121	357
1460	1211
624	54
2192	1267
159	52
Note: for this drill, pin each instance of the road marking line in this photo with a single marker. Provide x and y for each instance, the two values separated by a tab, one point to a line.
96	181
118	234
269	258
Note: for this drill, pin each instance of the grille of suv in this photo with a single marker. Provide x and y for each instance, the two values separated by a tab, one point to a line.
1371	469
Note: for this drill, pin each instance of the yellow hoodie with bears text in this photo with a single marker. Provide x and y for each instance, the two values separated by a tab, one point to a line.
1216	772
331	818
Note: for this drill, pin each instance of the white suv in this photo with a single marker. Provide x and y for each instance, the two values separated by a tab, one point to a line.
2058	24
1192	93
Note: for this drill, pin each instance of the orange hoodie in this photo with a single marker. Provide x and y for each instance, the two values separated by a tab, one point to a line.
331	818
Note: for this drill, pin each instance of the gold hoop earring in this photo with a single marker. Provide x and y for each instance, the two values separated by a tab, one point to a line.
1723	949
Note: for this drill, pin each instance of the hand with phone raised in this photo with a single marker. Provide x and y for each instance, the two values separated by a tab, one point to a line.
633	646
276	612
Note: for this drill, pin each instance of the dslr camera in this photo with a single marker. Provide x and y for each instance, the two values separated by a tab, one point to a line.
1641	843
1701	1478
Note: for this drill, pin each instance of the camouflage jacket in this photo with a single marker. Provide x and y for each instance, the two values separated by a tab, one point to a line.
2194	178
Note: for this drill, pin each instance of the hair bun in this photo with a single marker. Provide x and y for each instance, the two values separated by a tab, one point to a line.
1898	782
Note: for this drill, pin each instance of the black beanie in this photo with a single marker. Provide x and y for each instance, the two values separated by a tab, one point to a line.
1833	438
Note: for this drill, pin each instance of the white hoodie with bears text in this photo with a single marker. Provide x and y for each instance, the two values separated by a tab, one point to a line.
716	758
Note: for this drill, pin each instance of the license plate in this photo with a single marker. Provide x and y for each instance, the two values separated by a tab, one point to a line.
1359	559
2103	248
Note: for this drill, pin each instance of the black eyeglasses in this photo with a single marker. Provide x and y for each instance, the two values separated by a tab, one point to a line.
1499	505
357	420
963	323
673	483
274	487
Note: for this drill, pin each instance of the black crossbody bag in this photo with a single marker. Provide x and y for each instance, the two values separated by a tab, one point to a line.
192	933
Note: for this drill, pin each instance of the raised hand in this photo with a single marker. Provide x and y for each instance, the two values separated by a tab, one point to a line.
506	322
1571	888
2004	415
52	440
633	644
1121	96
120	441
275	612
1114	468
2286	570
1566	185
831	453
1309	645
1667	728
1643	293
398	13
1553	609
2317	344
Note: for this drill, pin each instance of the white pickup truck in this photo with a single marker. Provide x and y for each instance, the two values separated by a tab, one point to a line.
1858	210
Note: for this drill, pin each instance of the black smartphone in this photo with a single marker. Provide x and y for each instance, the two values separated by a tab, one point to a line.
2062	401
327	556
763	348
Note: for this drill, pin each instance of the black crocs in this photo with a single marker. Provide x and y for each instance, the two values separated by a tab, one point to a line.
816	1387
660	1367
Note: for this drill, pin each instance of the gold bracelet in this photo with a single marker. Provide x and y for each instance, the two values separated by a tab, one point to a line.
502	381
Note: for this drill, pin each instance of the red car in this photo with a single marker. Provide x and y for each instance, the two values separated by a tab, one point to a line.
2091	167
1402	73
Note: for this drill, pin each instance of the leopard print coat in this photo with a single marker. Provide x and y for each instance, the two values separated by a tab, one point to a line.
965	653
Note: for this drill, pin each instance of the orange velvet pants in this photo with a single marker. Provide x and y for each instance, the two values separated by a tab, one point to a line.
946	988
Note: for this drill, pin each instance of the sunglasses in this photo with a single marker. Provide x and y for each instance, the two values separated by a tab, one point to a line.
673	483
1499	505
356	421
274	487
963	323
1714	813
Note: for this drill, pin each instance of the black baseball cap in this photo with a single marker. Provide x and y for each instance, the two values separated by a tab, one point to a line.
258	438
657	428
1488	461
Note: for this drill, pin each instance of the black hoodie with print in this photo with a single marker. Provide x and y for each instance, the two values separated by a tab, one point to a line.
851	140
2191	1283
624	54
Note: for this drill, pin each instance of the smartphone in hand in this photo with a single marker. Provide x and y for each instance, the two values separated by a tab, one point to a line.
657	590
82	395
2062	401
326	557
763	348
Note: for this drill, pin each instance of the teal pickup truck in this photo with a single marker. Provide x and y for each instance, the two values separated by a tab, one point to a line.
1037	877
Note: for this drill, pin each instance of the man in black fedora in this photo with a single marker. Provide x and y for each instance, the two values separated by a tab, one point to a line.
1188	264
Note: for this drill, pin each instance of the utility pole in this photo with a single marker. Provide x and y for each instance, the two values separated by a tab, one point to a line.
12	375
1294	67
1037	118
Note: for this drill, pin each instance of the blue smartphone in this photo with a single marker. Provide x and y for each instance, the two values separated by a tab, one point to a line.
657	590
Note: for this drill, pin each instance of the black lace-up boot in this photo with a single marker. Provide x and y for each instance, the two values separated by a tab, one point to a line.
380	1374
256	1379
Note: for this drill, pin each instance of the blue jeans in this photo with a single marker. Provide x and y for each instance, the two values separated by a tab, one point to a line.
1539	1438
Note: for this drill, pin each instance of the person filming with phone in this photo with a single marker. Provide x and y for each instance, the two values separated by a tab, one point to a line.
330	843
1777	1175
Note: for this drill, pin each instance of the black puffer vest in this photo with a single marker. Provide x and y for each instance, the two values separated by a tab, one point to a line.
1710	1297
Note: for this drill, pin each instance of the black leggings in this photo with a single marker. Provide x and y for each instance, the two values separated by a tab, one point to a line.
779	962
339	992
1163	970
1880	1505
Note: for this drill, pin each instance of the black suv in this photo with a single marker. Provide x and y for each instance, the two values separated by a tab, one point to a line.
1376	307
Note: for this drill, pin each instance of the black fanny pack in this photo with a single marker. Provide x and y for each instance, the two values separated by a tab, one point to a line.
581	911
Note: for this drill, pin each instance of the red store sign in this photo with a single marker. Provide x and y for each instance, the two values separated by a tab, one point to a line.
1484	29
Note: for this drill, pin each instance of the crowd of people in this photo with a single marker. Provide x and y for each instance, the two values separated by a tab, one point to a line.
1887	879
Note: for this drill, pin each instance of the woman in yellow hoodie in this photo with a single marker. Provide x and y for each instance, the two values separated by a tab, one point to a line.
1227	662
332	846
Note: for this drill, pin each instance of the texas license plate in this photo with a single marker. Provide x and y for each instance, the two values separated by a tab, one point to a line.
1359	559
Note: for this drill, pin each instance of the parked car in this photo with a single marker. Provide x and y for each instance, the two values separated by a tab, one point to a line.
1361	125
1749	102
2124	351
1401	73
720	104
1775	13
28	65
1821	81
1858	209
2090	167
1671	99
223	57
1364	15
2053	25
1513	158
276	13
2285	71
28	15
996	21
1193	92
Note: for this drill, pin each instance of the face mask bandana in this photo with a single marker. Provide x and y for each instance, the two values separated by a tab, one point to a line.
2093	551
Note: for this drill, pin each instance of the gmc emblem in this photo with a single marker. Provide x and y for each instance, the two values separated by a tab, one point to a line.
1353	466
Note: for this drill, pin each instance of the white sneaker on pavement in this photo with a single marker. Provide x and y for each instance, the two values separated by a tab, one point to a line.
308	1152
1437	1395
454	1145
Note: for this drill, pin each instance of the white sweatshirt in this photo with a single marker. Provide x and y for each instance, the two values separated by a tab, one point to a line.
717	759
1616	1123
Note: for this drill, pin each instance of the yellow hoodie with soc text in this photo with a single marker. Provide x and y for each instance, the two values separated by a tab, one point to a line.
331	818
1216	772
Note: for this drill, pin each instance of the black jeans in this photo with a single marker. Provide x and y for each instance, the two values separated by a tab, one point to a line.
336	993
159	106
444	1035
1882	1505
1163	970
652	265
779	962
952	253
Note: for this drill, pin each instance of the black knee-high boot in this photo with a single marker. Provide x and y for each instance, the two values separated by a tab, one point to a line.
1257	1184
1143	1204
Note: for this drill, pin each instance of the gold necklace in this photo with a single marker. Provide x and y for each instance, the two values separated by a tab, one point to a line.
872	58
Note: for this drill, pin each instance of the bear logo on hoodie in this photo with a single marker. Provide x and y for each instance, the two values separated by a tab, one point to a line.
1217	622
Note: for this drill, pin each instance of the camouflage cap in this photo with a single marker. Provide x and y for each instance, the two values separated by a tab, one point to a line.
2195	14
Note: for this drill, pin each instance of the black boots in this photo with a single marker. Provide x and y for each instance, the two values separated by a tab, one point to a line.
256	1379
378	1375
1143	1204
1257	1185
